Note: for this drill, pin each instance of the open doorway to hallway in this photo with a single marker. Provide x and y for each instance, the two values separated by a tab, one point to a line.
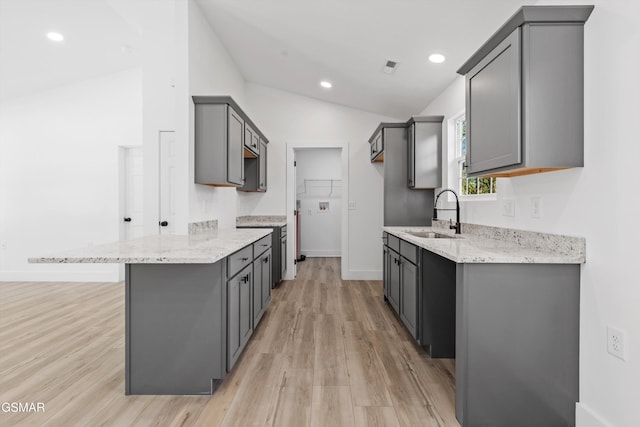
319	198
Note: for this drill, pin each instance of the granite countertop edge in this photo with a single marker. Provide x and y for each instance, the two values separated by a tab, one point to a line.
203	248
471	249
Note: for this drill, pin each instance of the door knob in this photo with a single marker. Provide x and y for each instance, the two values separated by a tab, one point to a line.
163	223
127	220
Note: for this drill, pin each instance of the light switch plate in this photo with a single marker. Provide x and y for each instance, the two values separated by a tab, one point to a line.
536	207
508	207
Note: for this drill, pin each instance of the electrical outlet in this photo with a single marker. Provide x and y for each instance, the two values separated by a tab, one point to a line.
508	207
616	342
536	203
3	245
352	205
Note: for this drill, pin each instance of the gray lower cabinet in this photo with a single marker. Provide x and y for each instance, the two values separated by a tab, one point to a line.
175	328
438	305
402	282
278	251
239	314
261	285
524	94
283	254
394	280
409	288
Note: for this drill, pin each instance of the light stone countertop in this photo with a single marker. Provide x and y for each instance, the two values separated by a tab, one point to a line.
504	245
261	221
201	248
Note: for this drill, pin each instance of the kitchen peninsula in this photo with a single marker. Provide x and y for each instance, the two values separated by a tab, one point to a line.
191	303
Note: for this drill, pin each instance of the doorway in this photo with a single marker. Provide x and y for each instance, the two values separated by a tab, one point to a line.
131	210
318	175
328	206
168	183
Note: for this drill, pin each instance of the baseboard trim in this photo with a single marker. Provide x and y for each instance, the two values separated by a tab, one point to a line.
60	276
321	253
587	417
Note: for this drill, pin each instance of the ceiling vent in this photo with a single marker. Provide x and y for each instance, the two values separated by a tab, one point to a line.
390	67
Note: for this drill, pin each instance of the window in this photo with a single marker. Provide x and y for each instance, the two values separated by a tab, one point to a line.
468	186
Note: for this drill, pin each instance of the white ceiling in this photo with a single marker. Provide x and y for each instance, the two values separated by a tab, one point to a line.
286	44
293	44
94	36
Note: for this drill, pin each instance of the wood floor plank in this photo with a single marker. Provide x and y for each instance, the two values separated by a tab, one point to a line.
327	352
375	416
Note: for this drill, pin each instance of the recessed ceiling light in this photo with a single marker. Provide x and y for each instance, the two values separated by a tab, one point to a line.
436	58
326	84
56	37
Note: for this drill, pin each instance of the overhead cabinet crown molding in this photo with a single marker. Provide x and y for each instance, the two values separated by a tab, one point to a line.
230	150
525	95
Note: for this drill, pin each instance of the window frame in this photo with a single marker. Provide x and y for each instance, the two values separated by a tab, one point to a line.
458	162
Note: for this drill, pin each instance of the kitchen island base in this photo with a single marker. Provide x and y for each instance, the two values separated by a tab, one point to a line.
175	328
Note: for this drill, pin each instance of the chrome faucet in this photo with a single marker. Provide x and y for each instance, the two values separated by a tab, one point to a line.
455	226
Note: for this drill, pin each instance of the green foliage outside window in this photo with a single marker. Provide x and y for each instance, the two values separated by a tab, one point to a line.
470	186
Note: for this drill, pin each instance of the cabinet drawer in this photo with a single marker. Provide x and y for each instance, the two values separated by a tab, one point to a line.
409	251
393	242
283	231
261	245
238	260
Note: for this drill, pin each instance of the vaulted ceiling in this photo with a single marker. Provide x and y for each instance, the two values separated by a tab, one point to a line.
285	44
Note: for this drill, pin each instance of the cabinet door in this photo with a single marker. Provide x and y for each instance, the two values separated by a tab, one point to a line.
262	182
267	265
394	281
233	321
283	256
409	295
493	108
411	156
246	319
235	148
385	271
257	291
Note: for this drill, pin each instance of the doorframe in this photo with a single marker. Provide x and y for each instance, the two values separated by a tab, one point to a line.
291	201
122	195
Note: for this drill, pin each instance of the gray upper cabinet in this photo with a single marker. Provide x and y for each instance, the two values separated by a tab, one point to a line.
376	145
226	141
524	94
251	142
424	152
262	167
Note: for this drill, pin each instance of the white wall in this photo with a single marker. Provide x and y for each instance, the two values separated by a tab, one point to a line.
319	228
59	173
286	117
211	72
597	202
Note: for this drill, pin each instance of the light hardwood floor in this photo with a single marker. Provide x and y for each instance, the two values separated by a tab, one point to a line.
326	353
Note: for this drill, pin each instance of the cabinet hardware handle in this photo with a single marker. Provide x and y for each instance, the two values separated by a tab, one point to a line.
163	223
127	220
266	259
244	259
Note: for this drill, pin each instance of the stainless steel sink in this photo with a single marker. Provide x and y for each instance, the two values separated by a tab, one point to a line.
430	235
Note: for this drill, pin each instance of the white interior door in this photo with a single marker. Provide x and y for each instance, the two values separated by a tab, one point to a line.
168	184
133	219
